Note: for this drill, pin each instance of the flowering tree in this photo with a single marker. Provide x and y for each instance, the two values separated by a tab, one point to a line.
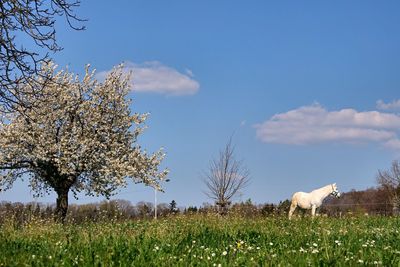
81	137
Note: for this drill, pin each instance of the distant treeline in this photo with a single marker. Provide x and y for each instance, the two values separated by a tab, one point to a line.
371	201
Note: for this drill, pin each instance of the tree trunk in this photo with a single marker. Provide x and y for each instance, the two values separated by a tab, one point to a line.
222	207
395	205
62	205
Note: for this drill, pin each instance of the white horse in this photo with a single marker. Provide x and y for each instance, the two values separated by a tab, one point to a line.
312	200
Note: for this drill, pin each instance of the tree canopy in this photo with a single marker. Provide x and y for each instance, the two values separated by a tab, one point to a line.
81	137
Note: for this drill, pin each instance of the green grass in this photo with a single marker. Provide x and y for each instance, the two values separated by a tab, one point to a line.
205	241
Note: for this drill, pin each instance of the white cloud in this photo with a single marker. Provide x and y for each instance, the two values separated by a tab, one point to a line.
314	124
155	77
394	105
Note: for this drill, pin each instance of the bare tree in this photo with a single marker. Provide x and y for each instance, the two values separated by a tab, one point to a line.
30	21
390	181
226	177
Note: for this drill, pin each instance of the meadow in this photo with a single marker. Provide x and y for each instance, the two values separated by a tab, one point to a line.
204	240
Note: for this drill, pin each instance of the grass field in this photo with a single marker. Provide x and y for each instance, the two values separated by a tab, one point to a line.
205	241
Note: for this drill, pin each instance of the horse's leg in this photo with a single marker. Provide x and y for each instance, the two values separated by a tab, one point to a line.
313	209
292	208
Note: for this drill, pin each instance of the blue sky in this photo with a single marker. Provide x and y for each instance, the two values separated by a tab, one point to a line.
309	89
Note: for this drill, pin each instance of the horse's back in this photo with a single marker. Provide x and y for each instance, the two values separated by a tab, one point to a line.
298	195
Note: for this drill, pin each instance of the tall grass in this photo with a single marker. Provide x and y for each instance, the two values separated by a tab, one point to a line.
204	240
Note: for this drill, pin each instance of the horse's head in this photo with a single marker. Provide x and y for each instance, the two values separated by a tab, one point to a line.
335	192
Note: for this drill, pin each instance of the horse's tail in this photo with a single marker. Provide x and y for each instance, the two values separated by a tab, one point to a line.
294	200
293	205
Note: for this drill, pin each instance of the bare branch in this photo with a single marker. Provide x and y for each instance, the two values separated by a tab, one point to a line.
226	176
389	180
34	19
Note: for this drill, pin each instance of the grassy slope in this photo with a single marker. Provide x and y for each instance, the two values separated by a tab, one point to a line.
205	241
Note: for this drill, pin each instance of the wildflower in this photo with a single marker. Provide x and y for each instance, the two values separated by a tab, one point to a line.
315	244
224	253
194	241
258	248
314	251
270	243
360	261
213	254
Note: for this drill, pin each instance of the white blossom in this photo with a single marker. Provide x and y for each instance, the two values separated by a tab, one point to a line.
77	134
